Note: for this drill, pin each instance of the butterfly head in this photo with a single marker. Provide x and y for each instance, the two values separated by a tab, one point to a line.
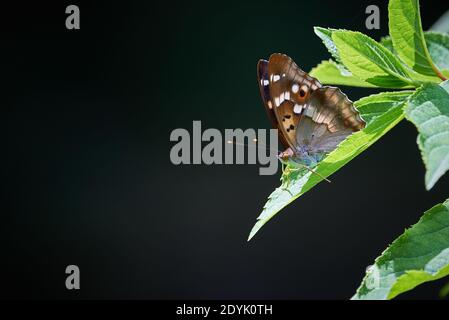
286	155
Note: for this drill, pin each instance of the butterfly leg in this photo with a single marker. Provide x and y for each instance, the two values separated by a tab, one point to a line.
284	168
286	180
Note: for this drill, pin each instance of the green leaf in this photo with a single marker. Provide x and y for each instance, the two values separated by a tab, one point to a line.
382	112
325	34
370	61
334	72
408	37
428	109
387	43
419	255
438	46
367	59
328	72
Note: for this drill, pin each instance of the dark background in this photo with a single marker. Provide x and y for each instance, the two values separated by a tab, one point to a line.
86	174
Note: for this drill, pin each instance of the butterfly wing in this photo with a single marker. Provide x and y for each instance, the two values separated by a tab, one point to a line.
328	118
289	89
264	87
309	117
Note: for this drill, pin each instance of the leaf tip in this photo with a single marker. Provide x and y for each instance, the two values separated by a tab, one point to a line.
320	31
432	178
430	184
257	226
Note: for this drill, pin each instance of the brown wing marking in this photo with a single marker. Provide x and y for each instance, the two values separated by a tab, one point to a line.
289	87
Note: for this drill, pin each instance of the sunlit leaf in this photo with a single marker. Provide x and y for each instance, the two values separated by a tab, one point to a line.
408	37
438	45
428	109
419	255
370	61
328	72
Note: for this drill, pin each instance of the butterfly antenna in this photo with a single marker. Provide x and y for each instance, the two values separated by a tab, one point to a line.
256	145
264	145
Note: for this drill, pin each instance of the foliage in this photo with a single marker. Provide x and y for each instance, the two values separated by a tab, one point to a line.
419	255
408	58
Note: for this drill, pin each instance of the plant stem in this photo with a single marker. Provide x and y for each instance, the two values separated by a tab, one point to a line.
438	72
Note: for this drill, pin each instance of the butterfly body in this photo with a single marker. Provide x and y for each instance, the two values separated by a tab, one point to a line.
301	156
312	119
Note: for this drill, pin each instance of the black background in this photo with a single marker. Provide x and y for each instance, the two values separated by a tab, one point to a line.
86	174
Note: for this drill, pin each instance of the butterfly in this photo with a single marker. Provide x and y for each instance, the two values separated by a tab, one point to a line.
311	119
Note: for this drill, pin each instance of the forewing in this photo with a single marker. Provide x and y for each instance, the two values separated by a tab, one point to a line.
289	89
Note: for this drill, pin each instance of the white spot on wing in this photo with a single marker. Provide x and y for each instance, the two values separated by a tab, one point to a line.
270	105
287	95
295	88
281	98
276	77
297	109
265	82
